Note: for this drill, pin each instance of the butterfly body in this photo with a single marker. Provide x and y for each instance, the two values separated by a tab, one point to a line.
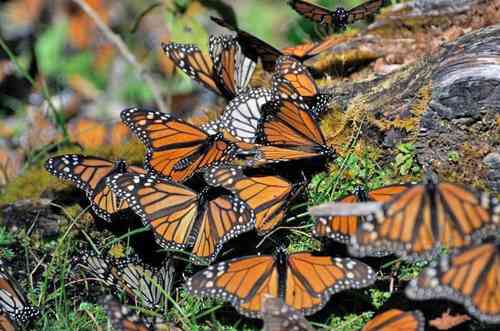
303	281
182	218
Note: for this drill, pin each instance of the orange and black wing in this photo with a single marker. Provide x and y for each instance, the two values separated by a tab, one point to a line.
171	209
233	70
338	228
194	63
469	276
267	196
313	12
425	217
253	47
312	280
89	174
278	316
13	302
6	323
309	50
176	149
291	134
244	282
224	218
364	10
396	320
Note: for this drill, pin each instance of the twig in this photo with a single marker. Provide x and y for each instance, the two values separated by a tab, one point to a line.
123	49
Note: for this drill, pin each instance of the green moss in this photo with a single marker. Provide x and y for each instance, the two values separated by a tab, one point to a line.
350	322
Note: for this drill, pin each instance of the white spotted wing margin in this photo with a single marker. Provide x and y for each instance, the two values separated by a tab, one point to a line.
181	218
305	282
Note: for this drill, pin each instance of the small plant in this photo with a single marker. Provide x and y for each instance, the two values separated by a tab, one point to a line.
379	297
350	322
405	162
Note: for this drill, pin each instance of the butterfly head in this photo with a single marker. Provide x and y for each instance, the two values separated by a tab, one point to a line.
361	193
342	17
121	166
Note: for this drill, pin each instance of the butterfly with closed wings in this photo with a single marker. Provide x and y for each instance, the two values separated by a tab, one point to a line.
226	72
338	18
303	281
14	307
181	217
176	149
89	174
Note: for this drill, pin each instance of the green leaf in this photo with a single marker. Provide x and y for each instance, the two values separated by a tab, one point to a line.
49	48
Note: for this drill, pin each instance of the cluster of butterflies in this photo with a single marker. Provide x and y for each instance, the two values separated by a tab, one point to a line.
200	187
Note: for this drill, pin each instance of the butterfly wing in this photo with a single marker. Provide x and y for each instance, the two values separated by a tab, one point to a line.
144	283
243	282
243	115
6	323
253	47
267	196
416	222
469	276
224	218
278	316
190	59
312	280
313	12
88	173
338	228
309	50
233	70
175	148
100	267
395	319
364	10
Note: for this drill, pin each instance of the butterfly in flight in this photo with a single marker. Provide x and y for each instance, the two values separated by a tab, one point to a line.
14	307
176	149
181	217
303	281
89	174
145	283
338	18
267	196
124	319
278	316
396	320
343	228
255	48
423	218
227	72
469	276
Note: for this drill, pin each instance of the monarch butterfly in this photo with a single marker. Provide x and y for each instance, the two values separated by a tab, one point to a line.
243	115
6	323
13	303
293	81
303	281
89	174
99	266
468	276
278	316
342	228
425	217
267	196
123	319
227	72
396	320
290	134
145	283
338	18
176	149
255	48
182	218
